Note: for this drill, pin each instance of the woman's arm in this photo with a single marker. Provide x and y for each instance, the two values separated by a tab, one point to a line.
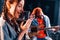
22	34
26	27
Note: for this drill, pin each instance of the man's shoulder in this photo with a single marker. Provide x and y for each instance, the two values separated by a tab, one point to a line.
45	16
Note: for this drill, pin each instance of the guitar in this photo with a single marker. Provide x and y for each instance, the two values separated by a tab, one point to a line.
34	30
47	28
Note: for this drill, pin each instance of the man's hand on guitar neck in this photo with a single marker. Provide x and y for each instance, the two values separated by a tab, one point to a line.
55	28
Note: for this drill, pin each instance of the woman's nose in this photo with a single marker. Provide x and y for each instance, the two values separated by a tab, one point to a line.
22	9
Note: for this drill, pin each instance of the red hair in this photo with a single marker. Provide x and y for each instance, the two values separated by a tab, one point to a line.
36	10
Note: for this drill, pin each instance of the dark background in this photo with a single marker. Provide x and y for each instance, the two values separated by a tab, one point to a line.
1	5
50	8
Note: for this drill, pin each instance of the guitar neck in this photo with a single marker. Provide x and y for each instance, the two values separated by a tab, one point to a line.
52	27
44	28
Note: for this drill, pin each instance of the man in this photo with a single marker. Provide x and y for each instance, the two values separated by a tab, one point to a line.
43	22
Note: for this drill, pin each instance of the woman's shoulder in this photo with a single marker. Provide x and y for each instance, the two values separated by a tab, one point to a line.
7	26
9	30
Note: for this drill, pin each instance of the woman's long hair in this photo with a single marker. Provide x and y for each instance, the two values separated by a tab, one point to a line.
5	11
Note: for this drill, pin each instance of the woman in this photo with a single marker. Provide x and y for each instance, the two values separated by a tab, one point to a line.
11	29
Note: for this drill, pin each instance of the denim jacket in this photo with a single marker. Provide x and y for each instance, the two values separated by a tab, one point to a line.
47	23
9	32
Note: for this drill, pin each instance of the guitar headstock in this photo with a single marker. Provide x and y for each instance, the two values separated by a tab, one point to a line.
55	28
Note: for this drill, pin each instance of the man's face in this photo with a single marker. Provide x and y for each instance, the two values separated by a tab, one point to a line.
38	13
19	9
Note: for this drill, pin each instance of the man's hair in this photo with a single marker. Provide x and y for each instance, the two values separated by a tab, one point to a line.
37	11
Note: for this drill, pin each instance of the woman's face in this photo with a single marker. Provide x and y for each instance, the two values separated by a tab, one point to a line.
15	8
19	9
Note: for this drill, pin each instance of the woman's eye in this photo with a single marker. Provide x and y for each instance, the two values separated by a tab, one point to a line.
19	6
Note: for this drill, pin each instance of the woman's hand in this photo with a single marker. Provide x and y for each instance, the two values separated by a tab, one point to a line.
28	23
22	26
25	28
